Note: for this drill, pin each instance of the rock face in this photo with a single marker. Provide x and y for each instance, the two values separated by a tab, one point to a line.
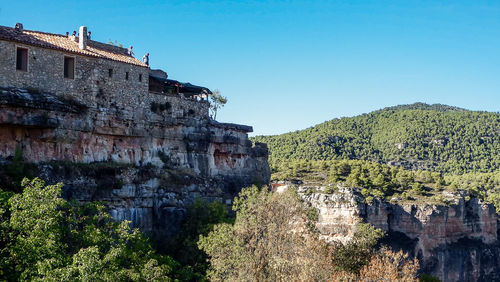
146	162
153	199
458	242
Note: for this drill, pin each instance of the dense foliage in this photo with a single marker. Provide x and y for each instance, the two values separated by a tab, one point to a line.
485	186
260	245
200	219
44	237
385	266
388	182
354	255
433	137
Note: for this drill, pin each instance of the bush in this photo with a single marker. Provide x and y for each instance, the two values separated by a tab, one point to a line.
201	218
49	238
312	214
384	266
330	189
355	254
17	170
261	246
428	278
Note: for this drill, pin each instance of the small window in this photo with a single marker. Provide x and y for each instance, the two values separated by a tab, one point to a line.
140	77
22	59
69	67
126	75
110	73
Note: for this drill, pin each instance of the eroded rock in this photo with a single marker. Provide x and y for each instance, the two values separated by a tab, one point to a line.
456	242
145	165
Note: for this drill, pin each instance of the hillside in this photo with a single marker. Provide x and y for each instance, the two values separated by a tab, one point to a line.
417	136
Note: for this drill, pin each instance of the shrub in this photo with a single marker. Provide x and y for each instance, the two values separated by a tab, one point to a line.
355	254
330	189
261	245
428	278
384	266
51	239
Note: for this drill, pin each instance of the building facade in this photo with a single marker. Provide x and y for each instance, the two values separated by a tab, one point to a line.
94	73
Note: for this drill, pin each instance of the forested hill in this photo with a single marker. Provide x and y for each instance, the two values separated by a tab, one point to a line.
435	137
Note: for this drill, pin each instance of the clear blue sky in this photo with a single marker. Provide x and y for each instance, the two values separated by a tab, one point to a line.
287	65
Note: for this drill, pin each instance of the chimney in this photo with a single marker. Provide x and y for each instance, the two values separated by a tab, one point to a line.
19	27
82	41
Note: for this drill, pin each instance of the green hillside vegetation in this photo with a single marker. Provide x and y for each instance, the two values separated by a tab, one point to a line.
418	136
388	182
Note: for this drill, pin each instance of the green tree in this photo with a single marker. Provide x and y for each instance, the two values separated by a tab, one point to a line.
6	267
36	220
269	241
379	181
355	254
404	178
417	188
217	101
56	240
200	220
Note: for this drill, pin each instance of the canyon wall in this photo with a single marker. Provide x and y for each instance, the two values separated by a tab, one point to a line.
455	242
147	162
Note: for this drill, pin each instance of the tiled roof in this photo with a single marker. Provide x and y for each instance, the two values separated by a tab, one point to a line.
61	42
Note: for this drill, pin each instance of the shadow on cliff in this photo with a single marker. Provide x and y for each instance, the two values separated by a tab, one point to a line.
467	259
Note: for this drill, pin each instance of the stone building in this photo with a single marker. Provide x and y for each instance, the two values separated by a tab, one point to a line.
69	98
89	115
78	68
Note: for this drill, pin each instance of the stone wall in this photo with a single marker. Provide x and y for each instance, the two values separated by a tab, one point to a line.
176	106
91	86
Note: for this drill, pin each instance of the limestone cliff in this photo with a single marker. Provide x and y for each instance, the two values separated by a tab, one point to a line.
455	242
146	162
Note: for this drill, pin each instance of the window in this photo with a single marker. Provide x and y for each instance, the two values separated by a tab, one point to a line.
110	73
140	77
126	75
69	67
22	59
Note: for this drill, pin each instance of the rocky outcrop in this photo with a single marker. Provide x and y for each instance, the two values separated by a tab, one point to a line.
153	199
455	242
145	162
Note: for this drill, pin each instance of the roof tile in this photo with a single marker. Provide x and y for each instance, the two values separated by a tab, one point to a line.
61	42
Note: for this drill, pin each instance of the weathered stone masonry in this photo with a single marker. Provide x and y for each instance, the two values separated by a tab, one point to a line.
91	85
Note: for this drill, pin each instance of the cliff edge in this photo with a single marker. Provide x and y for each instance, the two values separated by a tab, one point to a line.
147	160
455	242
